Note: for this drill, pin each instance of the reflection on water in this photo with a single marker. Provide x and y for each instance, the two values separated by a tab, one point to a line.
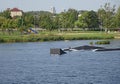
31	63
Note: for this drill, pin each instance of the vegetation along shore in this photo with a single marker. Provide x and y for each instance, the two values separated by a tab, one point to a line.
55	36
19	26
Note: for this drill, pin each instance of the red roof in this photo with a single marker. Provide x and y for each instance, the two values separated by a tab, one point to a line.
15	9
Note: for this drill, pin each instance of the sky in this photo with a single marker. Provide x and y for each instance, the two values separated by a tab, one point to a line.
60	5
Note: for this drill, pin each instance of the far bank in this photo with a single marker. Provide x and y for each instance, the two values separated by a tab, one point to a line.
56	36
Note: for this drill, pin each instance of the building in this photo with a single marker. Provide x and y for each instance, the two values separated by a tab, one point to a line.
16	12
53	10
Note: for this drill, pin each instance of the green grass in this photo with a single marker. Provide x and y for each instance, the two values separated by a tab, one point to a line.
88	36
54	36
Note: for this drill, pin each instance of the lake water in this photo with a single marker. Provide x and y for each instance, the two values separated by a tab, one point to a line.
31	63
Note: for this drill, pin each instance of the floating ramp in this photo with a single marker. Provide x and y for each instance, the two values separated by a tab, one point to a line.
59	51
93	48
85	47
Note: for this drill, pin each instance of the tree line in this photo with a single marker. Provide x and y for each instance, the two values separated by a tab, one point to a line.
106	17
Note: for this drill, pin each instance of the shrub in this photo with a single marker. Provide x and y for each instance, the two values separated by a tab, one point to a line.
102	42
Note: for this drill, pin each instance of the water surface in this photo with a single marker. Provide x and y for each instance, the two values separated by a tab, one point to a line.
31	63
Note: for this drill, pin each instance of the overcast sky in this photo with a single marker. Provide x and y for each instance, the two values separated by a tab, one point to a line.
60	5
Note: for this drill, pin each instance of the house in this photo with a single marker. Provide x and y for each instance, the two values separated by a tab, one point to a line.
16	12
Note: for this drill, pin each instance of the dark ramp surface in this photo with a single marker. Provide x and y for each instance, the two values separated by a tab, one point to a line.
86	47
95	48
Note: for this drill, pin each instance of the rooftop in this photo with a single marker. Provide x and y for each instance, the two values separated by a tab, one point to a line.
15	9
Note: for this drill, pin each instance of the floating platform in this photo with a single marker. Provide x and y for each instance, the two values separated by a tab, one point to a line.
85	47
58	51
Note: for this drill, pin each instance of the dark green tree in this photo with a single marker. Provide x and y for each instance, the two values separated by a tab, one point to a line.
45	21
56	22
73	16
106	16
81	22
117	18
29	20
67	19
6	14
88	19
2	21
92	20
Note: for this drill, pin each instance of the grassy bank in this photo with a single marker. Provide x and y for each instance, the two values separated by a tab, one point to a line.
55	36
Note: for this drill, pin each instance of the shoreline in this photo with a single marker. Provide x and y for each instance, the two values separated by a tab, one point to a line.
55	37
